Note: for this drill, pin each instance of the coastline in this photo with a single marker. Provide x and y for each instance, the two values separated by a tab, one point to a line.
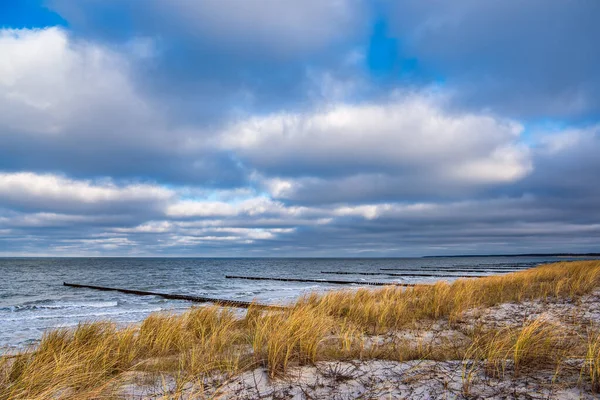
505	335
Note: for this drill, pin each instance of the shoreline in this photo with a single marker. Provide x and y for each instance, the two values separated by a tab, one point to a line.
468	328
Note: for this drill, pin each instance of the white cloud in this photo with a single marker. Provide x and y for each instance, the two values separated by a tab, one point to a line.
148	227
48	192
255	206
412	136
504	164
373	211
50	84
366	211
407	147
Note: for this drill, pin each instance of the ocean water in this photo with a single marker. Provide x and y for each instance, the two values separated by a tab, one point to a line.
33	298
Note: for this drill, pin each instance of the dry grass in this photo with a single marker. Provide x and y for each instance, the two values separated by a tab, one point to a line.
390	308
65	363
280	337
591	367
537	344
92	360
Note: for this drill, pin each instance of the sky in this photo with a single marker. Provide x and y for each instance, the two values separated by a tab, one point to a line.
314	128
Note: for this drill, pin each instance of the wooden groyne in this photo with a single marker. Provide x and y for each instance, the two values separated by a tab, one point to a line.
497	266
428	270
468	267
355	273
197	299
264	278
417	274
460	269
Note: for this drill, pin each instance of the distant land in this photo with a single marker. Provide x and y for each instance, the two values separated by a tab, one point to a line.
521	255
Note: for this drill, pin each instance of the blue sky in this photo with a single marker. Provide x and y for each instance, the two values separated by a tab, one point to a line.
288	128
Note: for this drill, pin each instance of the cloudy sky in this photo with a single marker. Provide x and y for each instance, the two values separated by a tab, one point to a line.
299	128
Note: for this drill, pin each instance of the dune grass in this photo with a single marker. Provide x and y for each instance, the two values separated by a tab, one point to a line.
93	360
391	308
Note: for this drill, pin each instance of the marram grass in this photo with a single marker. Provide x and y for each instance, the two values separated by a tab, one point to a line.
92	360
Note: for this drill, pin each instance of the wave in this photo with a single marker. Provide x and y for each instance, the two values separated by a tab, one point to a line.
85	316
60	306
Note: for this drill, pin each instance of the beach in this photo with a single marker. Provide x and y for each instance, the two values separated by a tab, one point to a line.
528	334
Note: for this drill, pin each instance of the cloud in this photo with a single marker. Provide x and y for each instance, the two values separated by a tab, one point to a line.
51	84
251	208
25	190
197	128
216	59
405	147
271	25
392	146
103	216
73	106
45	220
264	226
284	26
531	60
567	166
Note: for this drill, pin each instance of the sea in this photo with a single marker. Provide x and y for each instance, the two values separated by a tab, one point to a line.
33	298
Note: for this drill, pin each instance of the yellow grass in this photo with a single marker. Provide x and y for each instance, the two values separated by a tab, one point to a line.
539	343
591	367
93	359
389	308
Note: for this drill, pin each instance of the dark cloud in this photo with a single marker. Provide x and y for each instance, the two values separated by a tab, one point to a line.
216	57
527	59
284	28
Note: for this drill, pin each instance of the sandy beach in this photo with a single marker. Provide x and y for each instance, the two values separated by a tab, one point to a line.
528	334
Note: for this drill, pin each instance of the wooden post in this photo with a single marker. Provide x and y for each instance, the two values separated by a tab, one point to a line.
198	299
